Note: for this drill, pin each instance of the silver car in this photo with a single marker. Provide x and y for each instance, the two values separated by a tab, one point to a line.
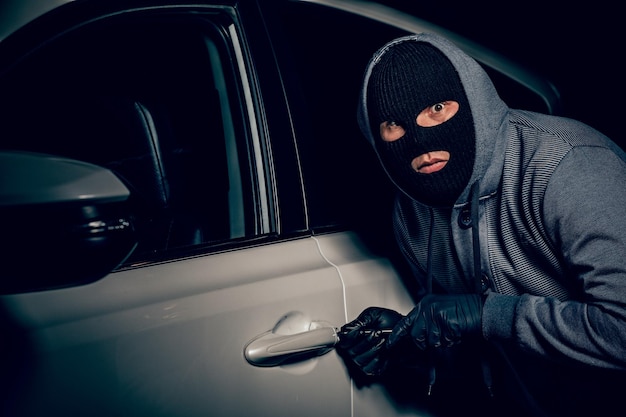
190	212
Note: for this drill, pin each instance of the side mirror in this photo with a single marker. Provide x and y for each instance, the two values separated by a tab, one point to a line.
64	222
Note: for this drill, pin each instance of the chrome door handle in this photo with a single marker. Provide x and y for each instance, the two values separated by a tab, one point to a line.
273	348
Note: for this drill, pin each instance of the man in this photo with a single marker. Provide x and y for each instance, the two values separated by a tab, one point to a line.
514	225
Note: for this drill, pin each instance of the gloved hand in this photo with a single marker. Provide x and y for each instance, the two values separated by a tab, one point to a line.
362	340
440	321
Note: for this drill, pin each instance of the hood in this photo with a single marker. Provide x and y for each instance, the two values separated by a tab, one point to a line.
488	110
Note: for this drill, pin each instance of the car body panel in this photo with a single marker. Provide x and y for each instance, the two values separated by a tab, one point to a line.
142	342
149	340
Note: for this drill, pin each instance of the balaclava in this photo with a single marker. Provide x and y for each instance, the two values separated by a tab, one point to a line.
410	77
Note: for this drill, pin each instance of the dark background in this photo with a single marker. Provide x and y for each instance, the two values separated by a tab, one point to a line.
578	46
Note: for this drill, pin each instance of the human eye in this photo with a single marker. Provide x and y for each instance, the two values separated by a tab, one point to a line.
391	125
391	130
436	108
438	113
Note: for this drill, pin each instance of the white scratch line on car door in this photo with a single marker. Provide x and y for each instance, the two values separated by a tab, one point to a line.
343	285
345	311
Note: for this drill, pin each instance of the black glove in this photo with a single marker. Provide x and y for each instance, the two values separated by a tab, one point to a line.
363	341
440	321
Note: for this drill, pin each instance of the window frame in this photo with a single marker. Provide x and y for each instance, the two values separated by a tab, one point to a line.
249	104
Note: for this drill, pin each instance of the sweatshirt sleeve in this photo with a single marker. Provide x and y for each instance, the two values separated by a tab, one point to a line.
585	215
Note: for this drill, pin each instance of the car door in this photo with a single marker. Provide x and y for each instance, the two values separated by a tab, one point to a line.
167	100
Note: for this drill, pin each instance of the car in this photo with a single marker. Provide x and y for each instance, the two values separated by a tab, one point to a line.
190	210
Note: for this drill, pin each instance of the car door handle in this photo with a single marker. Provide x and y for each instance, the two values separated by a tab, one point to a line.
273	348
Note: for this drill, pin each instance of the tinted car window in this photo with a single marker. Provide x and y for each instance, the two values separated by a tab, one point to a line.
155	101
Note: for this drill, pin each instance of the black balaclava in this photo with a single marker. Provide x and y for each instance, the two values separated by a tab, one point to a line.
410	77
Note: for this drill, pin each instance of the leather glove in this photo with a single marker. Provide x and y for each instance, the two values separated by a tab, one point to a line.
440	321
363	341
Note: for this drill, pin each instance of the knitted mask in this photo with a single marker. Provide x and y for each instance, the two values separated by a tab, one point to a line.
410	77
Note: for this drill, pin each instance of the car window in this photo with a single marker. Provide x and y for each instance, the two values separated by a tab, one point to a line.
156	101
345	185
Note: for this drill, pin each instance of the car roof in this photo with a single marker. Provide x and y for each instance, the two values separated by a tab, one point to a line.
15	14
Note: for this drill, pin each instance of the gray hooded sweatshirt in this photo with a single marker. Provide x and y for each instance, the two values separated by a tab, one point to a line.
547	203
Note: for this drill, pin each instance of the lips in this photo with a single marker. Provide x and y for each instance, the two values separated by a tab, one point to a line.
430	162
